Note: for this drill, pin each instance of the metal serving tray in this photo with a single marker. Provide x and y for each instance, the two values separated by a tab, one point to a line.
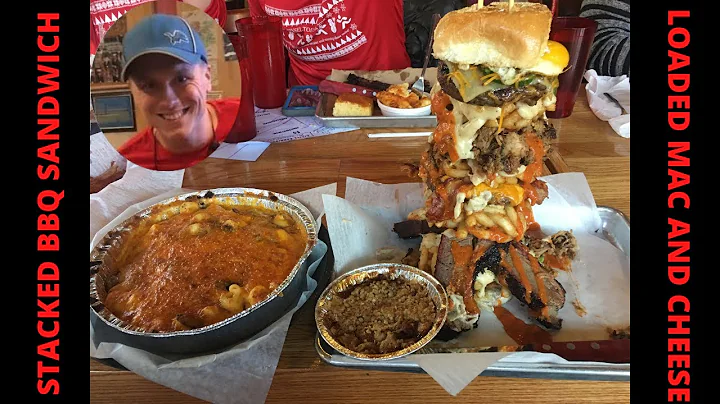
325	108
615	228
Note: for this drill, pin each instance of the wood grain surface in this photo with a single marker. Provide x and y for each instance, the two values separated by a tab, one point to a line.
585	144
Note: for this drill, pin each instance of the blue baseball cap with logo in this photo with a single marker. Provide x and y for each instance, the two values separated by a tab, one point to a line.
164	34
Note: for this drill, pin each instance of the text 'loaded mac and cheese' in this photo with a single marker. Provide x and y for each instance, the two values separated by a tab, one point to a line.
196	262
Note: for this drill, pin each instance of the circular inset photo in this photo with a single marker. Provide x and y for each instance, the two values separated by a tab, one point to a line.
164	89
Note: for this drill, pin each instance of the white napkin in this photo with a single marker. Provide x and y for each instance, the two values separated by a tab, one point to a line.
603	107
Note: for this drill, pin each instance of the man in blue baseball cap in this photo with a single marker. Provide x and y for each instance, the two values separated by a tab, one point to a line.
167	68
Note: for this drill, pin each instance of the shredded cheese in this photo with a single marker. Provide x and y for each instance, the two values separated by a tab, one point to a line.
461	82
492	77
500	122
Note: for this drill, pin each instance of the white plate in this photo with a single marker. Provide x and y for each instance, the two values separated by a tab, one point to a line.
390	111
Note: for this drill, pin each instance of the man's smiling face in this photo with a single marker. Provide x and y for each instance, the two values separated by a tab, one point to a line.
171	94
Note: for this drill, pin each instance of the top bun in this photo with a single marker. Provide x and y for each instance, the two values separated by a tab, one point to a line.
494	35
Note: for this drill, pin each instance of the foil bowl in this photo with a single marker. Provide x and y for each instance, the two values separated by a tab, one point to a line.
369	273
109	328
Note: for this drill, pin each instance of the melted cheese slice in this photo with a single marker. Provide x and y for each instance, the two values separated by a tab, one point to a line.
513	192
469	118
469	84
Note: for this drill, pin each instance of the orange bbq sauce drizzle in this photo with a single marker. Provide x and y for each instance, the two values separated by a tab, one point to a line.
525	210
542	291
519	331
554	262
463	277
444	133
517	263
535	168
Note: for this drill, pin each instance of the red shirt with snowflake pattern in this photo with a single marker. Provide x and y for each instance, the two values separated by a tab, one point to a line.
321	35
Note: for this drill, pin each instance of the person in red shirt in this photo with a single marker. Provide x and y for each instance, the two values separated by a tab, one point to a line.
166	67
321	35
104	13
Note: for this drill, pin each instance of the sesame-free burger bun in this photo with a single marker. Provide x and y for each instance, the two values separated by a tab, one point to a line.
494	35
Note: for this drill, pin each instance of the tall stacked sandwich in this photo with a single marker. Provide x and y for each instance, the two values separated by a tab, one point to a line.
496	78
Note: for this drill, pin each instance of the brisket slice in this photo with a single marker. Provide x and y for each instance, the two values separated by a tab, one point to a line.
362	82
529	94
510	276
454	277
415	228
445	264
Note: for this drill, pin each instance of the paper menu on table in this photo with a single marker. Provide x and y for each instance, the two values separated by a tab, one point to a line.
103	154
362	223
245	151
274	127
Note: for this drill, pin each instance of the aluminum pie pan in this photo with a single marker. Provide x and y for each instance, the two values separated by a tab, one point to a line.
391	271
228	330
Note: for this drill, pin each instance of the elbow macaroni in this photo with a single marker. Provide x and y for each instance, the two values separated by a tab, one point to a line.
176	250
234	300
238	298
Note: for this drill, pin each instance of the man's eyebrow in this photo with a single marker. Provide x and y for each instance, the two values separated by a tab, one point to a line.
185	67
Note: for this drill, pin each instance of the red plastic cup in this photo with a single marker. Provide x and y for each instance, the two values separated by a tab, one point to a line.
576	34
244	128
267	57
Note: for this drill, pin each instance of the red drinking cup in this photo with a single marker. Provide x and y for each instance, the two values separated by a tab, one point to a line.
576	34
267	59
244	128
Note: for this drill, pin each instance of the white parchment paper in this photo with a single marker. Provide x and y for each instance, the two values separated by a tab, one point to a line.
361	225
241	374
138	184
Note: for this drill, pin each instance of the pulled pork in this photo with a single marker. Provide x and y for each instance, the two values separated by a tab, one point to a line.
508	150
562	245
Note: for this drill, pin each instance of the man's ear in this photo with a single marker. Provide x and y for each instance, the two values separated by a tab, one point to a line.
208	75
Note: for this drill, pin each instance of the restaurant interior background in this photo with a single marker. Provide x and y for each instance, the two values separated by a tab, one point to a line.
111	98
106	87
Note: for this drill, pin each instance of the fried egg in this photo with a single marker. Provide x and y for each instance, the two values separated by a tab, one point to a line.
554	61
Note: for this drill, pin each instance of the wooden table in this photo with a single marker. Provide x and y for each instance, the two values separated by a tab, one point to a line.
585	144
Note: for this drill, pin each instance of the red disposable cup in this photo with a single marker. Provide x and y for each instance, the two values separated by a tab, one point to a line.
576	34
244	128
267	59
